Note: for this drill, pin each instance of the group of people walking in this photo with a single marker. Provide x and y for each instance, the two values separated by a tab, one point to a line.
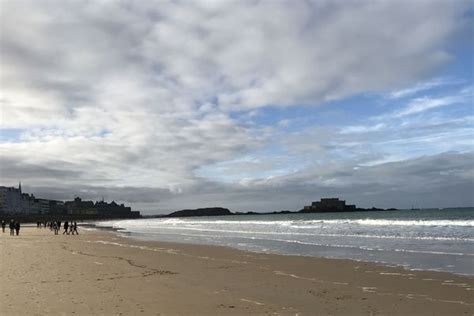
14	227
69	227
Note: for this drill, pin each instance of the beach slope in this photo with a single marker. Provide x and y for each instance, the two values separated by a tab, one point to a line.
99	273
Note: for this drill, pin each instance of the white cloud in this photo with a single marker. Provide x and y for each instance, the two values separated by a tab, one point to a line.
422	86
362	128
419	105
248	55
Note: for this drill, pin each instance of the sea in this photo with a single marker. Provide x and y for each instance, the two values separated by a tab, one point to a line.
426	239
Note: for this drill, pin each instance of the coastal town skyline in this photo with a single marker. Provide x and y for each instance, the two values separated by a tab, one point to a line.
253	106
16	202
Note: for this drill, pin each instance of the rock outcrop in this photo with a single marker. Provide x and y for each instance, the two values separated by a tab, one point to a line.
208	211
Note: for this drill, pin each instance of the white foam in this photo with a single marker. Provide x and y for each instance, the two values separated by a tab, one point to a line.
368	289
251	301
337	245
379	240
390	222
293	276
180	222
395	273
294	233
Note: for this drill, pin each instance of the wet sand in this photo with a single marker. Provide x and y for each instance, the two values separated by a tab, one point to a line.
99	273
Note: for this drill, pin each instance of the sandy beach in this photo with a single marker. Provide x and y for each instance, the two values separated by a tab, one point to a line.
99	273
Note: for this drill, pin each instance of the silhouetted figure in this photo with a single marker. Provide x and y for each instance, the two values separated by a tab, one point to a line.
12	228
17	227
3	225
74	228
66	226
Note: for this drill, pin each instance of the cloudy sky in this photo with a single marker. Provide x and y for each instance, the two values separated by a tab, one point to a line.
250	105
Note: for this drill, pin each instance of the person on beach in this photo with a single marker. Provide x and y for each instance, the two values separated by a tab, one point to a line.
17	227
55	227
74	228
3	226
66	226
12	228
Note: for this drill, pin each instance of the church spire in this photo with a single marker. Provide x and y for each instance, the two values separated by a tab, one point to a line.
19	186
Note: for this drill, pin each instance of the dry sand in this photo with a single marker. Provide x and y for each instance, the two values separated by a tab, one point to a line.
98	273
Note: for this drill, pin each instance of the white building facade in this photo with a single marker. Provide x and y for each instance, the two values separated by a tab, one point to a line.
12	200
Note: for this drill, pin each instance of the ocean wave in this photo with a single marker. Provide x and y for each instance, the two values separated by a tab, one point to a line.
293	233
397	222
302	224
402	239
307	243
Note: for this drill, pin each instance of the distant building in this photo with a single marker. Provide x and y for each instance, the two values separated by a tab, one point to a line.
11	199
50	206
329	205
104	208
101	209
14	201
80	207
29	204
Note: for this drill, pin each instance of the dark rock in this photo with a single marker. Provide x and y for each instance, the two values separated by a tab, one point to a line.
208	211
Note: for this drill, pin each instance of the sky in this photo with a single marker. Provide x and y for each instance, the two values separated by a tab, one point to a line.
249	105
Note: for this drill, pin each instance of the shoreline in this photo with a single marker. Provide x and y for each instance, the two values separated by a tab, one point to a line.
127	235
99	272
438	258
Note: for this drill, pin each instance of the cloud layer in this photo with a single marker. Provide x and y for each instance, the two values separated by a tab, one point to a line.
124	96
